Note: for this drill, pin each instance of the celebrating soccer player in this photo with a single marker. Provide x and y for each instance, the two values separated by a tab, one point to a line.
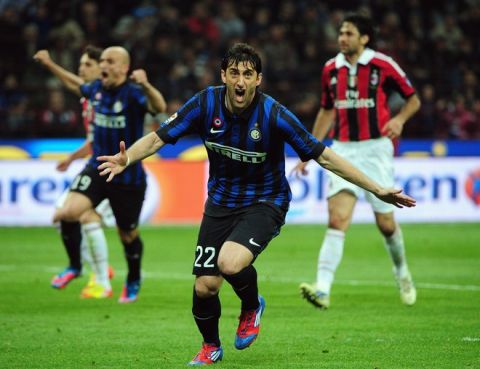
244	131
120	107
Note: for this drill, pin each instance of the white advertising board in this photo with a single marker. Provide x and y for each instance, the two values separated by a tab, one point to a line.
446	190
29	190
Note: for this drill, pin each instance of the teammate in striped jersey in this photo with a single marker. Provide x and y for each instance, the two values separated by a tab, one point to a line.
120	106
355	89
244	131
84	242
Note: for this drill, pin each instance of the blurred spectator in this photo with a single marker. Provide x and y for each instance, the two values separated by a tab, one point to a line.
56	120
180	42
230	26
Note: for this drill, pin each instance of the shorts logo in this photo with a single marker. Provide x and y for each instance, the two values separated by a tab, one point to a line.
255	134
98	96
252	242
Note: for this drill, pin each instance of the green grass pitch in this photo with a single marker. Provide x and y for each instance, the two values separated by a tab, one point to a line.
366	327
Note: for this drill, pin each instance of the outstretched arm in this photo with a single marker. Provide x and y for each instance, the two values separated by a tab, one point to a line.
70	80
156	102
322	125
116	164
335	163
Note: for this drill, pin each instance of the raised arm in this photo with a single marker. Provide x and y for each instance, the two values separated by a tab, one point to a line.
156	101
116	164
335	163
70	80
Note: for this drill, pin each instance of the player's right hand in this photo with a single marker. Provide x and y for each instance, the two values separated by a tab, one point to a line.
42	56
299	169
113	164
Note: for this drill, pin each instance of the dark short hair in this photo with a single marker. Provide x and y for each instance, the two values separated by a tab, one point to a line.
241	52
364	25
93	52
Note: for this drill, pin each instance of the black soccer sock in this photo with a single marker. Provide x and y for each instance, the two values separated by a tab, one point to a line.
244	284
206	313
133	254
72	238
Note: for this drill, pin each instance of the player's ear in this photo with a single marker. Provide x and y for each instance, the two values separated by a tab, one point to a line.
224	76
364	39
259	79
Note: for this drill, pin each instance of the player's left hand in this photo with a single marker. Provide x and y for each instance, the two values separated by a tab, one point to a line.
393	128
396	197
139	76
63	165
113	164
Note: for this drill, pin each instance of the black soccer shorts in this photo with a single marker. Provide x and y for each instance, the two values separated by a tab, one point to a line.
125	200
252	226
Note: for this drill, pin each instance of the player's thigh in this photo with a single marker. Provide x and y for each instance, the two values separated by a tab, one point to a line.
90	184
126	203
211	236
74	206
378	165
257	226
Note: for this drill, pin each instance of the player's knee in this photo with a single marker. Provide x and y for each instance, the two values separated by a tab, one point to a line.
128	236
206	290
338	221
90	217
387	229
386	225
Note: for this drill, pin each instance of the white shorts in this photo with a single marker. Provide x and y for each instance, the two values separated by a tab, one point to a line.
103	209
375	159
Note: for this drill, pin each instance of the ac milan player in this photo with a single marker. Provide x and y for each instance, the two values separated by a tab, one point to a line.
355	88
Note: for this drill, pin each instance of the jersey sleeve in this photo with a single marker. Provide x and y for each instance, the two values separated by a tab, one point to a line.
398	80
326	101
139	97
181	123
294	133
87	89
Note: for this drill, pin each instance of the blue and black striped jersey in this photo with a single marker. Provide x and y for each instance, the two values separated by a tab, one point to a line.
119	116
246	151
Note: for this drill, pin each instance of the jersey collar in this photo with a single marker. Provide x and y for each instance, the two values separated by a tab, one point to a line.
364	59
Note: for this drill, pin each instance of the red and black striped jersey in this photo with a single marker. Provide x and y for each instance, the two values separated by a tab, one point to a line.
359	94
88	115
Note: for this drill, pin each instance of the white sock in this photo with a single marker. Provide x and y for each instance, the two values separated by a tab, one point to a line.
396	248
99	251
329	259
86	253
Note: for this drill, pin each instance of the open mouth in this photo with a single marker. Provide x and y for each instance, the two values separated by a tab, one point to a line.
239	92
104	74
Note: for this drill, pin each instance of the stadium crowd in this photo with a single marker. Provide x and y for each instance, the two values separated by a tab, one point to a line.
179	44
